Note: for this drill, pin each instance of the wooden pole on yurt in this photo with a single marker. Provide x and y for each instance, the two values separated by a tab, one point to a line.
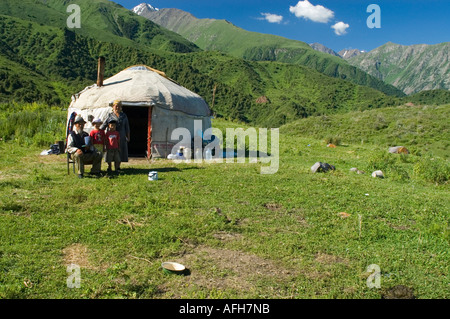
100	71
214	95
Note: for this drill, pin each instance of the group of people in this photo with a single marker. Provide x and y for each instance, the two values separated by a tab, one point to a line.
109	138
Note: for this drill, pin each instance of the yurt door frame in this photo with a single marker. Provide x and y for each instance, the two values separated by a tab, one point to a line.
140	121
149	134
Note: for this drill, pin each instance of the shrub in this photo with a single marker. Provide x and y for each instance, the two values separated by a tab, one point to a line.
434	170
406	158
398	173
32	124
381	160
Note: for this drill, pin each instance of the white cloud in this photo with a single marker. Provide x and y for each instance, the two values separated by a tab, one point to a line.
340	28
318	13
272	18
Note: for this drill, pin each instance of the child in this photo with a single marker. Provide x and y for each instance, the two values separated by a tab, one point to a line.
98	136
113	147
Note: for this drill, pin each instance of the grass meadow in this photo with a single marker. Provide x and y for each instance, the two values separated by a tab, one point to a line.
241	234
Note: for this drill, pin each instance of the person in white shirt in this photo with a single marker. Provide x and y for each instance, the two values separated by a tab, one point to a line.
80	151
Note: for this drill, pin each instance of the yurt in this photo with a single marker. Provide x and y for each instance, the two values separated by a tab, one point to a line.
154	104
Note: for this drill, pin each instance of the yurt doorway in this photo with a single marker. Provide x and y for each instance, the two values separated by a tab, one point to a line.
140	127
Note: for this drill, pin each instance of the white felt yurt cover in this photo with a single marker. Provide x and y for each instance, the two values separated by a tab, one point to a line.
141	85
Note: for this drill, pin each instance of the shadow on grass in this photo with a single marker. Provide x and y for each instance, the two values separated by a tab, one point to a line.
145	171
138	171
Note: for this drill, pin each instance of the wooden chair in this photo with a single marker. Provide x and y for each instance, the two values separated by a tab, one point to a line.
71	161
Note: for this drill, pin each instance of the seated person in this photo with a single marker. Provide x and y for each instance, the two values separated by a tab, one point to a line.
80	152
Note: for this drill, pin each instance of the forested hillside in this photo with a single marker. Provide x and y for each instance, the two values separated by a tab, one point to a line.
64	62
43	61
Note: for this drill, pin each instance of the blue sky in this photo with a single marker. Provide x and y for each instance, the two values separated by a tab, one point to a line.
402	21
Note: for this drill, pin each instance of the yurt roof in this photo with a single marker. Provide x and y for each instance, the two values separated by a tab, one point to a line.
143	86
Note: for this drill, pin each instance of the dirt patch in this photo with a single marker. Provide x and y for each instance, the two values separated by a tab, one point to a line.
227	237
273	206
214	268
52	158
330	259
77	254
302	221
316	275
299	215
399	292
396	227
262	100
44	159
243	265
137	161
130	222
6	176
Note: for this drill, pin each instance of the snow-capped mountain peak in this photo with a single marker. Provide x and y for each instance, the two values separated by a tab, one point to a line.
144	7
350	53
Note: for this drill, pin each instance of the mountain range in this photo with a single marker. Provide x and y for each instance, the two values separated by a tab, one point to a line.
41	59
143	9
223	36
345	54
410	69
321	48
350	53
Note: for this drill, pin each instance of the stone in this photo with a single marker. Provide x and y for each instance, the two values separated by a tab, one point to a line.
398	150
262	100
378	174
327	167
316	167
322	167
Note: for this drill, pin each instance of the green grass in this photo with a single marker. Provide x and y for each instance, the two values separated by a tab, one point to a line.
32	124
218	219
422	129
